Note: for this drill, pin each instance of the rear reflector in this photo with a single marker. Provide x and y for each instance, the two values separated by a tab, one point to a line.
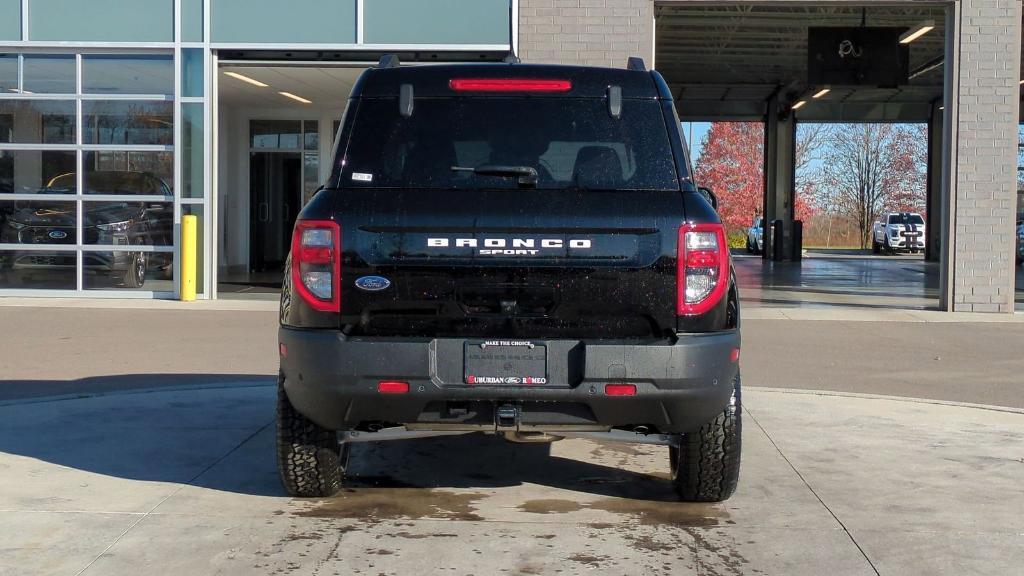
508	85
392	387
735	355
620	389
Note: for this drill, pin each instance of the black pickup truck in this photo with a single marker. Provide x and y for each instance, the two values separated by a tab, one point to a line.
513	249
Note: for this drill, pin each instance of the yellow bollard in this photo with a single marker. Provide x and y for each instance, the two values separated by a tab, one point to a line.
188	258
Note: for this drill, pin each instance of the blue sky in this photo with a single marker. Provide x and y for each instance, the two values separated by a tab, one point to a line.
694	132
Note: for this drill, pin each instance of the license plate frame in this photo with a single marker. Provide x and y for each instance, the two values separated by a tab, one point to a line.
505	363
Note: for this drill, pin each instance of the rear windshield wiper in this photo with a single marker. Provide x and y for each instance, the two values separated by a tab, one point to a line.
527	174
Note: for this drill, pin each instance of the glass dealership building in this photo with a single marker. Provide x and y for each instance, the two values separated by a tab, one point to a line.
113	127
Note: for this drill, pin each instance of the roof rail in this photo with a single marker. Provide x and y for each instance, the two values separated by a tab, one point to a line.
388	61
636	63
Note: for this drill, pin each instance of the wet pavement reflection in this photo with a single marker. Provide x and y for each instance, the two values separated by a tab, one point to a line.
825	279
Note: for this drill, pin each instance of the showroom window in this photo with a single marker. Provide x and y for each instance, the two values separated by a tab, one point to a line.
87	172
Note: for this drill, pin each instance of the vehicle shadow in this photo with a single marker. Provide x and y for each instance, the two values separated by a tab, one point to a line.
222	438
486	461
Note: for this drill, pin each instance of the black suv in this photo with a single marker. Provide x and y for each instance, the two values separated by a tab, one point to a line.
514	249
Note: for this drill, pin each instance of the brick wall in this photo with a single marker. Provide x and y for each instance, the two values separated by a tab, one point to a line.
591	32
986	171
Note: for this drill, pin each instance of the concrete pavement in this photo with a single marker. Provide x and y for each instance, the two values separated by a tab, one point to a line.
184	482
144	467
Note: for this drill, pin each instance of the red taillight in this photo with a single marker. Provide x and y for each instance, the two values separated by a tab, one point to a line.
316	264
734	356
508	85
620	390
392	387
702	268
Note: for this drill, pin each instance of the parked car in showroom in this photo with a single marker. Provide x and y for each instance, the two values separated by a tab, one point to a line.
755	236
51	220
898	232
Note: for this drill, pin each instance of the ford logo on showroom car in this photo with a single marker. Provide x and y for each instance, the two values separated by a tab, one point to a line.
58	234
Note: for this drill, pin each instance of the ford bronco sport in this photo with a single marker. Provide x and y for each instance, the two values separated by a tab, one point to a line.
513	249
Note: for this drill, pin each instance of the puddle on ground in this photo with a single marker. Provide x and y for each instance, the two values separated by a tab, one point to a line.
375	504
550	506
648	512
589	559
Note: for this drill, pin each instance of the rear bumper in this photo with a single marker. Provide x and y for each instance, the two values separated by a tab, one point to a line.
333	380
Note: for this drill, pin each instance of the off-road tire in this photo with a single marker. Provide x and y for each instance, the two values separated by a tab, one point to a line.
706	466
310	459
874	246
750	247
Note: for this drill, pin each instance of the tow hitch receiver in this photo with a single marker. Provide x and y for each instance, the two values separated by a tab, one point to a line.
506	417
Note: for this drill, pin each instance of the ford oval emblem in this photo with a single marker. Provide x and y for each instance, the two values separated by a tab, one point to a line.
373	283
58	234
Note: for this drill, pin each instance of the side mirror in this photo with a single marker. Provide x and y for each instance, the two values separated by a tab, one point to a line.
707	193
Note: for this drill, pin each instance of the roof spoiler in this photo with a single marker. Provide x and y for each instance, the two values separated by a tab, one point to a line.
389	61
636	63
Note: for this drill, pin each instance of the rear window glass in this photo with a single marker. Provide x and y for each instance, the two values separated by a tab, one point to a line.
915	219
572	143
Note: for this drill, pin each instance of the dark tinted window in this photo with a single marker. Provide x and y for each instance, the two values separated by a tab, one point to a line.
571	142
915	219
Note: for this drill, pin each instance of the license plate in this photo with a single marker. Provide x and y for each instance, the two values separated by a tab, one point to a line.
911	234
506	363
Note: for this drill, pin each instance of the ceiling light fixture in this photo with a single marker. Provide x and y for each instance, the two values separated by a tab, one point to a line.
799	104
245	79
296	98
917	31
822	92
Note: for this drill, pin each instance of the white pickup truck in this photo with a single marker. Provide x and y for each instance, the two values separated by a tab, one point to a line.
898	232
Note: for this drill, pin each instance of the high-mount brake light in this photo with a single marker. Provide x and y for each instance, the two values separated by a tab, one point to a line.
316	264
702	268
509	85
